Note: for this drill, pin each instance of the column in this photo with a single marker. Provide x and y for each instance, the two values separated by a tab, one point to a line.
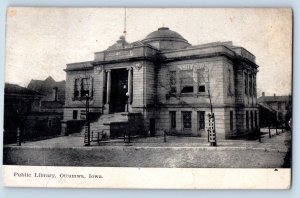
252	88
129	85
195	82
178	87
108	87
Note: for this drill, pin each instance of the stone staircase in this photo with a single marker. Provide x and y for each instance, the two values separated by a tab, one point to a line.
112	124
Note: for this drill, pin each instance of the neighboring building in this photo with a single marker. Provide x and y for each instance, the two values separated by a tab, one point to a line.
169	85
53	94
282	105
267	115
46	87
37	110
19	102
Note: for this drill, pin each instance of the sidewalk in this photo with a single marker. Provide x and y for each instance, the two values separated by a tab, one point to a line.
179	152
277	142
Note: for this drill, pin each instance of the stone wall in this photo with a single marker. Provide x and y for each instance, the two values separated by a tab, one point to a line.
164	122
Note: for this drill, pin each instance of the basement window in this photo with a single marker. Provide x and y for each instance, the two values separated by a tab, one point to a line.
187	89
201	88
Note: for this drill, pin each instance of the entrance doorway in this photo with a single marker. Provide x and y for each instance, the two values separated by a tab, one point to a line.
119	88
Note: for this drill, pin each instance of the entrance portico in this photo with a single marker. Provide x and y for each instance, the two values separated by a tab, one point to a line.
118	90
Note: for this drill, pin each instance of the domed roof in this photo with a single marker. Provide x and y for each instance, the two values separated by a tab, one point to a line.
164	33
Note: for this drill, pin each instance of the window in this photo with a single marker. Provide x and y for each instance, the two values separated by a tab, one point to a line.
246	83
82	87
201	120
247	120
187	120
201	80
231	120
251	119
229	91
201	88
250	85
186	81
280	106
82	114
76	88
173	119
254	86
75	113
173	81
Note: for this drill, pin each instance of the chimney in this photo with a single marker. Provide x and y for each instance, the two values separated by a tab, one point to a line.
54	94
263	94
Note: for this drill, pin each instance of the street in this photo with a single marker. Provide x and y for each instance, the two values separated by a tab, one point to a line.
180	152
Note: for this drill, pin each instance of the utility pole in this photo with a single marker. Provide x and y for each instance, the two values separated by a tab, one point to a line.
87	135
212	136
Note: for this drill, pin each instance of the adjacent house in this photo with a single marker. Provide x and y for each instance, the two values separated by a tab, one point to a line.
281	106
36	111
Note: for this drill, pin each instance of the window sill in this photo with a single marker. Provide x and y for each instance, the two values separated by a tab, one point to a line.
187	95
81	99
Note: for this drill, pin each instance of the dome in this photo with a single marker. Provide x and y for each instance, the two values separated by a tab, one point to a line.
164	33
166	39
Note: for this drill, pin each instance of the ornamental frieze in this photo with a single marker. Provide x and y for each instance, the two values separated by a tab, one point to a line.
119	53
192	66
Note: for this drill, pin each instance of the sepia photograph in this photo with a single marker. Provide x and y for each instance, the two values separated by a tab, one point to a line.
170	88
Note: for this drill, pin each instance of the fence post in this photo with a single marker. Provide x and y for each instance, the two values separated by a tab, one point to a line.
276	127
259	137
19	139
125	132
165	138
269	132
129	137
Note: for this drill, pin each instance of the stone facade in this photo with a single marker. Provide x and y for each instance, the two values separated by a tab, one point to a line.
171	84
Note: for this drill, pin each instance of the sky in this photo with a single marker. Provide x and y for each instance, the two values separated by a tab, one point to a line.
41	41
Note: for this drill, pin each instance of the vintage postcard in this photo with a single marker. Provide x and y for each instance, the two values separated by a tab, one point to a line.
171	98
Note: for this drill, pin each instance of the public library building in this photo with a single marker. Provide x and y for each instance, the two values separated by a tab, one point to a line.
163	83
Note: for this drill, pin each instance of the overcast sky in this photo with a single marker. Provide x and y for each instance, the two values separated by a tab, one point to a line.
40	42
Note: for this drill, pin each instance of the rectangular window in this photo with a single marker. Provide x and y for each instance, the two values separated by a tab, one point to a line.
201	120
173	81
91	90
82	114
75	114
187	120
186	81
254	86
173	119
84	87
247	120
229	91
251	119
246	83
231	120
76	88
250	85
201	80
